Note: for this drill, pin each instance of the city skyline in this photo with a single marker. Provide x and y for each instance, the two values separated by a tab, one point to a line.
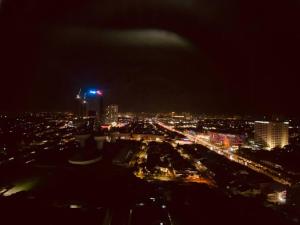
152	112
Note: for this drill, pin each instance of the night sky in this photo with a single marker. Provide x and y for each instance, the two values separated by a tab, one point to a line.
216	56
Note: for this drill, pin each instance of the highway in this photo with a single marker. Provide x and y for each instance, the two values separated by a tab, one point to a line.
273	174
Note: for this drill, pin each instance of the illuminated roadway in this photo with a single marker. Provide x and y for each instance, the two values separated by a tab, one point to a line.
275	175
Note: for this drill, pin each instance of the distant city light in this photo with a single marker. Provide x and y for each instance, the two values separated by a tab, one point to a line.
75	206
93	92
141	204
265	122
282	197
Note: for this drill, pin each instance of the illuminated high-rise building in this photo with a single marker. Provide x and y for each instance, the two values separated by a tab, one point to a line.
94	99
111	114
91	104
271	134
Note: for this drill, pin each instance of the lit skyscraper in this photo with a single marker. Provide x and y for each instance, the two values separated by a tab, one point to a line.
111	114
271	134
91	104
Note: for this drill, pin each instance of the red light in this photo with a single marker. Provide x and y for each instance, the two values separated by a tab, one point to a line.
99	93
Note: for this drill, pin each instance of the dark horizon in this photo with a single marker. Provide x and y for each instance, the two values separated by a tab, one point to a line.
233	57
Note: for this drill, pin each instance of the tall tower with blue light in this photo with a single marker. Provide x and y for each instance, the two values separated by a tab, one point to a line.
92	104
